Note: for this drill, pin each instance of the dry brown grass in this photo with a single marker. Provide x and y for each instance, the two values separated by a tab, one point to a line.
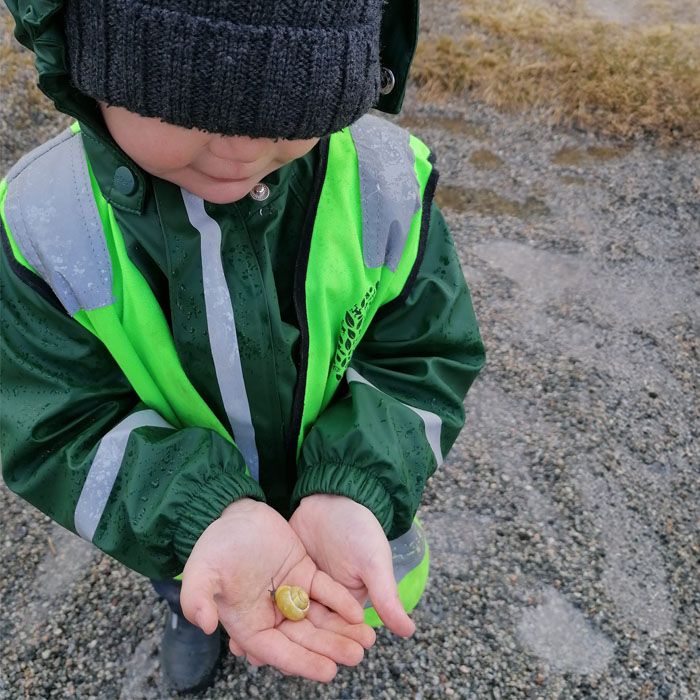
20	92
601	76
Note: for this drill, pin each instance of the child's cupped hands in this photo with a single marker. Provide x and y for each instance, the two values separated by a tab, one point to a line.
228	578
347	542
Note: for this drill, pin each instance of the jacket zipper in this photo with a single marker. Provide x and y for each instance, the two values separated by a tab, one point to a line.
300	272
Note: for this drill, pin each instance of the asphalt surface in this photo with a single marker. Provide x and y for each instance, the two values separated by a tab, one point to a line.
564	523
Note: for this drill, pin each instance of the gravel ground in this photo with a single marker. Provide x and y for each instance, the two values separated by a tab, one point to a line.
563	525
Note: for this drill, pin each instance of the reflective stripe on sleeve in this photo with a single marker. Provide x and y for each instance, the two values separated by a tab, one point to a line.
221	326
407	551
104	469
410	557
432	422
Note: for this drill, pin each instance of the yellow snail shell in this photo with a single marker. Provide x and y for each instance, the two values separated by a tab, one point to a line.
293	602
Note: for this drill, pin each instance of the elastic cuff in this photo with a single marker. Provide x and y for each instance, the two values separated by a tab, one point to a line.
205	503
346	480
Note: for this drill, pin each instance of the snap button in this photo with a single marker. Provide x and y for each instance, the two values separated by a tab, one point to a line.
387	81
260	192
124	181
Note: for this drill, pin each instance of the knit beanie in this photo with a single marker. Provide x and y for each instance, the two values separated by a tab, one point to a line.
272	68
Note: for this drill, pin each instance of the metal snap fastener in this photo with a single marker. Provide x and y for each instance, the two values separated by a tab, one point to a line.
387	81
124	181
260	192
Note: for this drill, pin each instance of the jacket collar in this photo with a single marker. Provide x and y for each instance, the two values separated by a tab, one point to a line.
123	183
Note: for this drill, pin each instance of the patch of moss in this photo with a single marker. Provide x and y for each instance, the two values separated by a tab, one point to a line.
486	202
483	159
455	125
586	156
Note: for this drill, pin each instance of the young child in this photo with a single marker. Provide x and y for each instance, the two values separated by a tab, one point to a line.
235	332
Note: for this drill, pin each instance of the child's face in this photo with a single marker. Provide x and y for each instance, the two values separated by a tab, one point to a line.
220	169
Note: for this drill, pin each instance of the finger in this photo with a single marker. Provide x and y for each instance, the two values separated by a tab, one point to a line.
359	594
197	600
385	599
335	646
252	660
326	619
335	596
235	649
272	647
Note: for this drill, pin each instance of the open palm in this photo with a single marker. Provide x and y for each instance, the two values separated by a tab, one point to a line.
228	579
347	542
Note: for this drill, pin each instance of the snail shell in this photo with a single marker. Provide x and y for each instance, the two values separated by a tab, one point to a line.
293	602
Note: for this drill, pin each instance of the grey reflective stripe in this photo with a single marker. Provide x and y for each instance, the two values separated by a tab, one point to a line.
104	469
388	187
407	551
53	218
431	421
221	325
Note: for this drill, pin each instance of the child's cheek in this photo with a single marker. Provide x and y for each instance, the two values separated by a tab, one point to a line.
163	158
154	145
161	150
289	150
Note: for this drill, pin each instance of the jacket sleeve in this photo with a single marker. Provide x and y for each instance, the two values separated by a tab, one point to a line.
403	410
77	443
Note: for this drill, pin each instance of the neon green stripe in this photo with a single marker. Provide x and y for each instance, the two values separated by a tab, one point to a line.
137	335
335	282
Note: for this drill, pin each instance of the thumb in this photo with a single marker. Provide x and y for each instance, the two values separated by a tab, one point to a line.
197	600
384	595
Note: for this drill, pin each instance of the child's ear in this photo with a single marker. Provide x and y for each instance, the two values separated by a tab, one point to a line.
399	36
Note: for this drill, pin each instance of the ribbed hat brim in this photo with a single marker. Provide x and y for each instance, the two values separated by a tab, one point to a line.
259	81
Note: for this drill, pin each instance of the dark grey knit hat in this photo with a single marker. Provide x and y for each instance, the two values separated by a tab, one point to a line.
271	68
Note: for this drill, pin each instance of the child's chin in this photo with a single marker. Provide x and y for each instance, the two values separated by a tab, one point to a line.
223	192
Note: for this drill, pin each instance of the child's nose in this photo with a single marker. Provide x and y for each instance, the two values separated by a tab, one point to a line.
240	148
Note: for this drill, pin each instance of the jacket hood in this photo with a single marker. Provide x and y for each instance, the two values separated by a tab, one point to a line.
40	27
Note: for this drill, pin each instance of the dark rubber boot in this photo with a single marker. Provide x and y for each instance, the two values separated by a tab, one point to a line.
188	657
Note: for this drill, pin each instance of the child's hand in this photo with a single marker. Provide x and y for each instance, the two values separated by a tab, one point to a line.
228	578
347	542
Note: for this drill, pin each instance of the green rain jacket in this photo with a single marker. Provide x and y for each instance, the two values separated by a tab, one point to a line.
62	391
